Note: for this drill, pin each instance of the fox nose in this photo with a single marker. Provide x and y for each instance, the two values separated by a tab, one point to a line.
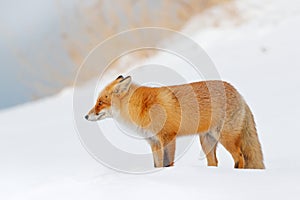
86	117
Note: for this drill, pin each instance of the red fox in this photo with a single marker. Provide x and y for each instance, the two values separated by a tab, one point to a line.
212	109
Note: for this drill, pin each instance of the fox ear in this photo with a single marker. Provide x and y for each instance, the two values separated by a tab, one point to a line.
123	85
120	77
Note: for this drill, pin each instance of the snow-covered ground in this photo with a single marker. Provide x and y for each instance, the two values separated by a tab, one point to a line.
41	156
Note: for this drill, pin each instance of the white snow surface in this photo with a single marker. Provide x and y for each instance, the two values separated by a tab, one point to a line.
41	156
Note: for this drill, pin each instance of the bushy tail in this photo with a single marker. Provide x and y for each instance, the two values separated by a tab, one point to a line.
251	147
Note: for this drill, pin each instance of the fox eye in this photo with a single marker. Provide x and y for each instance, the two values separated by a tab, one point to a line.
100	103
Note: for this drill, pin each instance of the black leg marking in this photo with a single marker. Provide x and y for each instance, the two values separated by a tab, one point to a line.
166	159
236	165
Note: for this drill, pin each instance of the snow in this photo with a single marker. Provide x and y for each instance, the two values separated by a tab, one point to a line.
42	157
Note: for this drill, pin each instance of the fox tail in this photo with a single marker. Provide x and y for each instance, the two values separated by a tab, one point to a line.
250	146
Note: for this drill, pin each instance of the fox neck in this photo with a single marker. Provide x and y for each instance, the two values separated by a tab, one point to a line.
120	111
120	105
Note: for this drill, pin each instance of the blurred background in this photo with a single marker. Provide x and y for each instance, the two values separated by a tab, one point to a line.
43	43
253	44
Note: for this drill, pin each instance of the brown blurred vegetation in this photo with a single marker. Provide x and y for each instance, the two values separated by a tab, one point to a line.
93	22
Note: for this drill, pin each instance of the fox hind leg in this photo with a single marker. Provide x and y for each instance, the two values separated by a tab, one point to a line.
209	146
232	143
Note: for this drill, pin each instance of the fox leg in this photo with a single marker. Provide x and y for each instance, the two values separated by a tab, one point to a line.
232	142
169	153
163	152
209	146
158	153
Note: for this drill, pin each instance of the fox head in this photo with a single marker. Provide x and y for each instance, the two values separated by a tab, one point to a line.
113	91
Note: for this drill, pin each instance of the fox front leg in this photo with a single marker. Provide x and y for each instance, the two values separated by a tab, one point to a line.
163	153
158	153
169	153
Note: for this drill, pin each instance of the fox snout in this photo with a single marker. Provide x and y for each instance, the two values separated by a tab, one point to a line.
93	116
